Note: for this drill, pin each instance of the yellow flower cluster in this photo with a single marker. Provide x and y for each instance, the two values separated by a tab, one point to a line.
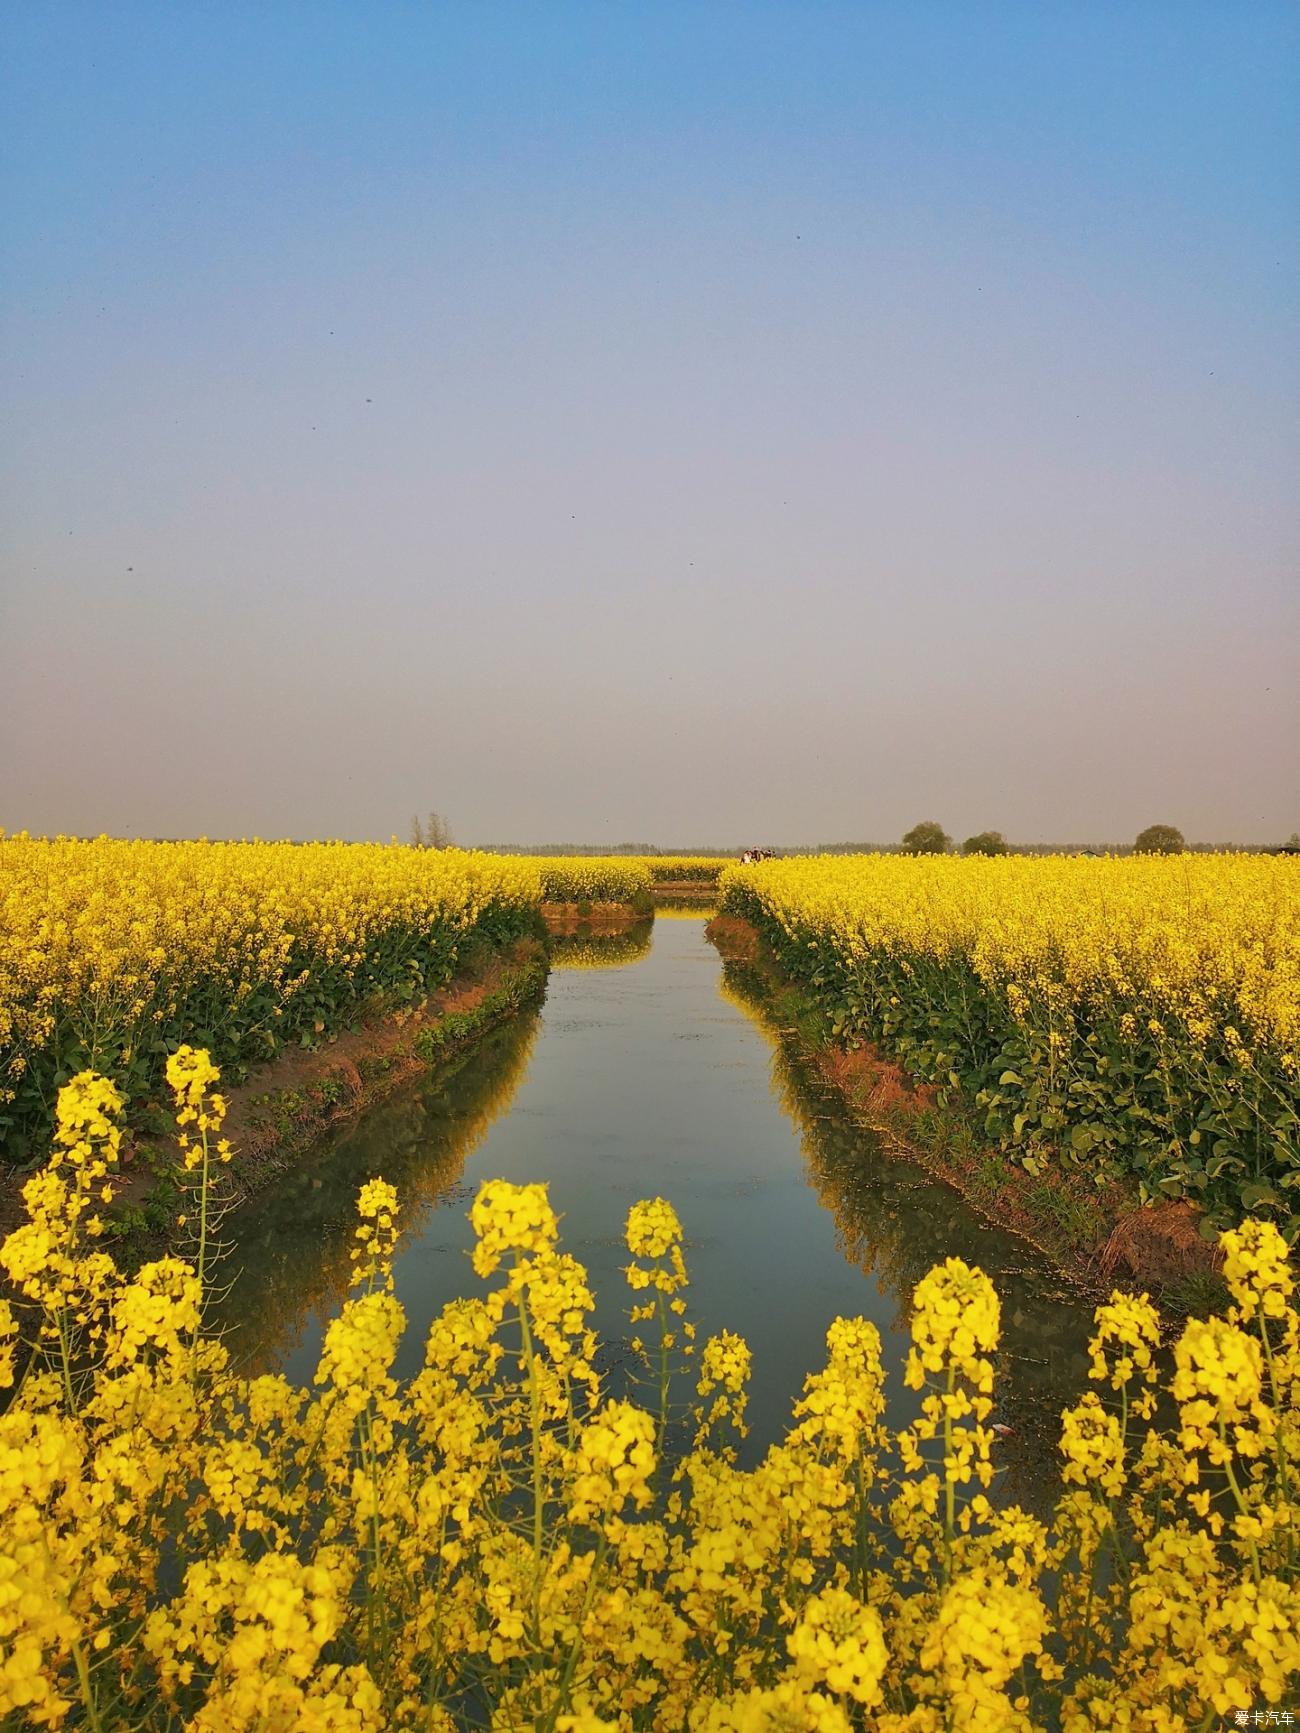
687	868
591	878
1135	1015
511	1218
723	1384
984	1629
1257	1269
1218	1384
504	1542
956	1323
1127	1335
1092	1442
47	1258
615	1462
376	1235
654	1231
112	952
839	1643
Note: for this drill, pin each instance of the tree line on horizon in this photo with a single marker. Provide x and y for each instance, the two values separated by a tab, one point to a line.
926	837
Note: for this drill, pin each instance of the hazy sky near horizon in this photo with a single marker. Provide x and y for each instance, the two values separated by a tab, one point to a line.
681	422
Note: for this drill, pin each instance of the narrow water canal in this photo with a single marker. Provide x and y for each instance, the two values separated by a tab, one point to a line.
648	1072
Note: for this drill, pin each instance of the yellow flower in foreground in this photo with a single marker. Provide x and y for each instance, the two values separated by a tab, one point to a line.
510	1218
956	1318
614	1462
190	1074
652	1227
789	1707
1256	1268
840	1643
1093	1447
376	1553
1217	1378
1126	1337
983	1631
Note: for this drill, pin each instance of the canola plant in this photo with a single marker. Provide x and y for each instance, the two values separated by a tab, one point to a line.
1136	1017
594	878
112	953
509	1541
697	868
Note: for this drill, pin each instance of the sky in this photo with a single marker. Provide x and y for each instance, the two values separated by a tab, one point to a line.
684	423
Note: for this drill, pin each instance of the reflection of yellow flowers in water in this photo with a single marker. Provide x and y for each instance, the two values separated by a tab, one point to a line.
503	1531
601	950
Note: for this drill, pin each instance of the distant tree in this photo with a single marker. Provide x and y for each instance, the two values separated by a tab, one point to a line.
1159	839
435	832
927	838
987	842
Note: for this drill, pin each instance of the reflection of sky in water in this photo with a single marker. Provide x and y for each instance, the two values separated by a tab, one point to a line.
642	1080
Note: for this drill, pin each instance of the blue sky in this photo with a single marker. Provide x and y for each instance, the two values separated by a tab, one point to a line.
710	422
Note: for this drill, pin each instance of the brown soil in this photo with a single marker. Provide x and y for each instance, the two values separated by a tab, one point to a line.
1161	1240
1154	1243
873	1083
733	937
286	1104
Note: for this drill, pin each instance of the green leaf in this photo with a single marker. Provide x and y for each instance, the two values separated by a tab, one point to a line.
1256	1192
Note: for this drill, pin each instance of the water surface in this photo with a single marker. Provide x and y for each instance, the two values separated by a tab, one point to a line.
650	1070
